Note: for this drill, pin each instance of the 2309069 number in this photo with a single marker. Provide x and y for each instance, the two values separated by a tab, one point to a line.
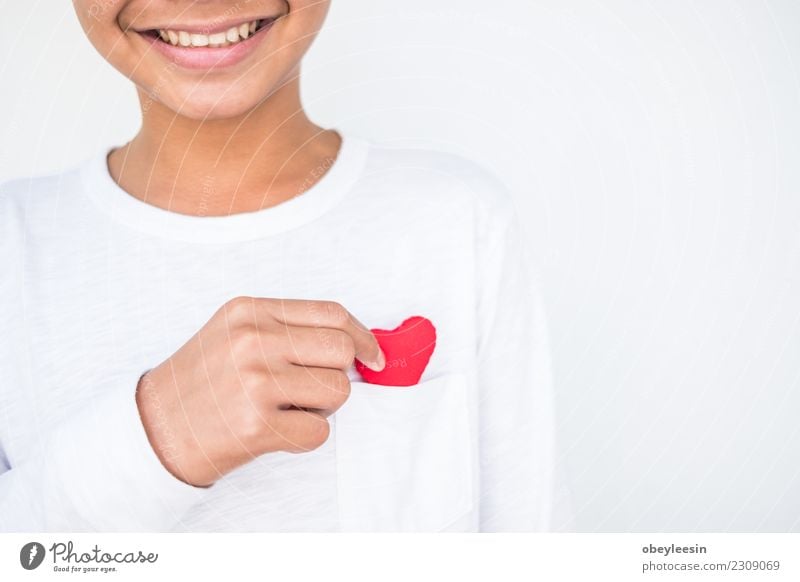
755	565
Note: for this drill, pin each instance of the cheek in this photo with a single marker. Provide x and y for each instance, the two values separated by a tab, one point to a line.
94	14
309	14
98	18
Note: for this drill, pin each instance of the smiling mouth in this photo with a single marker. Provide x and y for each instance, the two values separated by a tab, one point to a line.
223	38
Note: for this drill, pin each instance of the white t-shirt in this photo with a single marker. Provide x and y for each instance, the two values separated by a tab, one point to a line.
98	287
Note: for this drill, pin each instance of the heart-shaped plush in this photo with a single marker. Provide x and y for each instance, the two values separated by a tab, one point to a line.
408	349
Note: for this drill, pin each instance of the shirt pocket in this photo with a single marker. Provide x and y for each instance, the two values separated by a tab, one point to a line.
404	456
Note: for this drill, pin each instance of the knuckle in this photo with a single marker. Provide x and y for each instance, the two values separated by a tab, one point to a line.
256	395
245	343
252	426
335	312
340	348
239	309
337	344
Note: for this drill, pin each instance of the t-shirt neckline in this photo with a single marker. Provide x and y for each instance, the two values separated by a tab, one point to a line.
328	191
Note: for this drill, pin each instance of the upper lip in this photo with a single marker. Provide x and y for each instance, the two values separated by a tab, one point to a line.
210	27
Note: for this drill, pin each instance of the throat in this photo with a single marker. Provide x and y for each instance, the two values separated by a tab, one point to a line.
224	185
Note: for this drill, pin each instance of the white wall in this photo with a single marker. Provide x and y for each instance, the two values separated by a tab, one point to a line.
653	147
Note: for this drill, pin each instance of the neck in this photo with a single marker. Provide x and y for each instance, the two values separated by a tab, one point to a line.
224	166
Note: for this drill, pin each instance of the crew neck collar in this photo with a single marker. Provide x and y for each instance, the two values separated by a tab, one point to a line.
109	197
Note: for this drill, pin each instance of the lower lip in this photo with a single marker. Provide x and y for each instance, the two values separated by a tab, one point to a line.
205	58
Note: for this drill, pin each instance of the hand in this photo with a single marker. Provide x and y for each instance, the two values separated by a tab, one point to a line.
261	376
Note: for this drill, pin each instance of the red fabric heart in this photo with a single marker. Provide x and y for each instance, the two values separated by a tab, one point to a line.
407	348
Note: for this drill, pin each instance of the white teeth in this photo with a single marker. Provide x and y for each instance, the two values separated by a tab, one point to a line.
199	40
218	39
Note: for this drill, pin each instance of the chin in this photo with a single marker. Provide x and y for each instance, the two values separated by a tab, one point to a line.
209	102
207	109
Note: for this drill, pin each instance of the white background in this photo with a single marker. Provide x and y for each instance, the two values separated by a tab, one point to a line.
654	150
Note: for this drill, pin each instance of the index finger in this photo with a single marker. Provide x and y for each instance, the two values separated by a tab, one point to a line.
314	313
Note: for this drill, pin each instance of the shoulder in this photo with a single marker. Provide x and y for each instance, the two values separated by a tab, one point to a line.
33	189
35	198
441	176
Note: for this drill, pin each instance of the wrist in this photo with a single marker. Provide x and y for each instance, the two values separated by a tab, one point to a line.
157	426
